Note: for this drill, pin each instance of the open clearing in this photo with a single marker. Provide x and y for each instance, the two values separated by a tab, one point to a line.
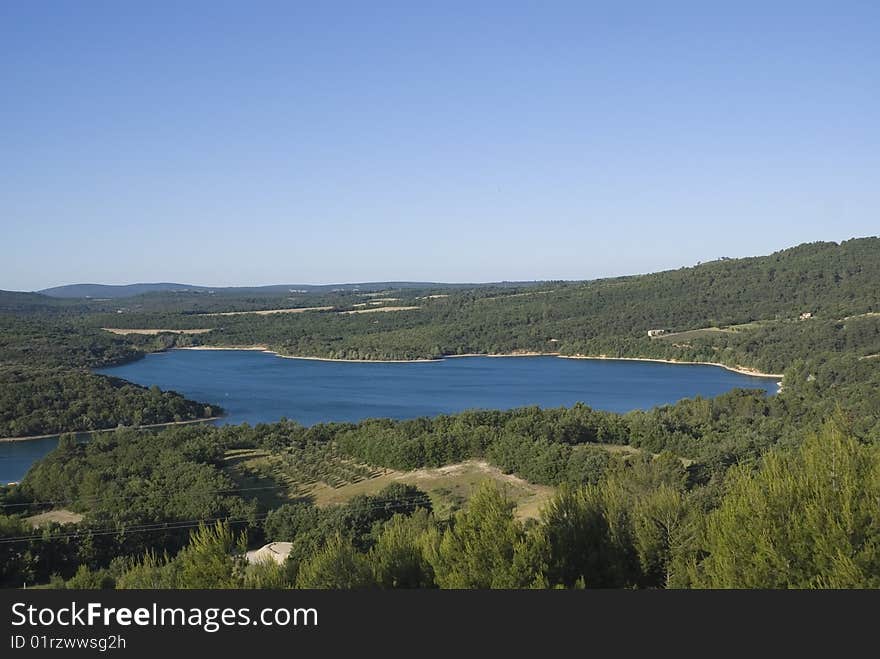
266	477
59	516
449	487
505	297
153	332
709	332
689	335
332	479
267	312
374	309
374	303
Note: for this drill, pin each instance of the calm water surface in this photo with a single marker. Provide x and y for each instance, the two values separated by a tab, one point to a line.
259	387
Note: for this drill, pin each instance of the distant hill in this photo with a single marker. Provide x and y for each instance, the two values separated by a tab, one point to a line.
108	291
13	301
111	291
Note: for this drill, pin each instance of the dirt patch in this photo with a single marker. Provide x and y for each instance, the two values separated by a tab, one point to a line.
374	309
153	332
267	312
59	516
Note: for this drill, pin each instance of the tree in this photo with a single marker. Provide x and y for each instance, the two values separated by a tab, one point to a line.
485	546
338	565
806	519
213	558
663	530
289	520
578	538
398	558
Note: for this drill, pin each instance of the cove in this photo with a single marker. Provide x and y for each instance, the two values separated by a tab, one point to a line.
259	387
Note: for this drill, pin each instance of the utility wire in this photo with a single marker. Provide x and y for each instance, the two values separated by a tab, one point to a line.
391	504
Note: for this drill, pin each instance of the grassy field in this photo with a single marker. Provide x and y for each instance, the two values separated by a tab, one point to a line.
689	335
268	478
449	487
682	338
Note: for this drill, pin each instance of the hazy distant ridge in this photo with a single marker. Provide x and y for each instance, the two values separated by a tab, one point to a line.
130	290
107	290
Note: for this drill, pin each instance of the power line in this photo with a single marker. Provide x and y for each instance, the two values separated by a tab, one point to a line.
393	504
97	497
133	495
143	528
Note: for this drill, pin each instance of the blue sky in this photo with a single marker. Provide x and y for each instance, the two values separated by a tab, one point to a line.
254	142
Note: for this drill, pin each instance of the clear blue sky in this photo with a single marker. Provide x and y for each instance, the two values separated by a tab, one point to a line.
249	143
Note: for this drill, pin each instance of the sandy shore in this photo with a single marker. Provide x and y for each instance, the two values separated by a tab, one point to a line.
358	361
266	349
743	370
515	353
88	432
317	359
254	347
371	361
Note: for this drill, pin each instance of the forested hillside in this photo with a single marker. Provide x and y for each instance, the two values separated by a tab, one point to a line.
46	386
752	305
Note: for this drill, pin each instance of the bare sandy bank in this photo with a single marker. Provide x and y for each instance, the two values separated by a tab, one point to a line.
83	432
356	361
317	359
515	353
743	370
252	347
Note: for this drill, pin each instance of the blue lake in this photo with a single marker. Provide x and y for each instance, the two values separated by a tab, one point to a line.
257	387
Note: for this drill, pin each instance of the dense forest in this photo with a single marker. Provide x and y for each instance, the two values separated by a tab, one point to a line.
743	490
47	387
34	403
160	514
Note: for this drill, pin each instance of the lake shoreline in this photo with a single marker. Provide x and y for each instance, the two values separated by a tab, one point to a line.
88	432
742	370
266	349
